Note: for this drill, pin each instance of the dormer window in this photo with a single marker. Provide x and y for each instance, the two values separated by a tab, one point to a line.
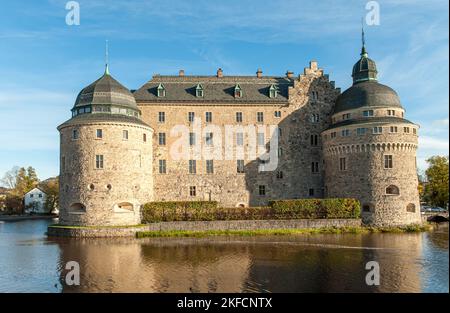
237	91
161	91
273	91
199	91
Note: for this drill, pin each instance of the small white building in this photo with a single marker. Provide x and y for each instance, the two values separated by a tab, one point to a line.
34	201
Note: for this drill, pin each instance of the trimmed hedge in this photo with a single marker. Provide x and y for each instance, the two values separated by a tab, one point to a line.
278	209
317	208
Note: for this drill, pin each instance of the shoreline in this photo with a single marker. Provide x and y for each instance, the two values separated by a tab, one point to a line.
282	232
14	218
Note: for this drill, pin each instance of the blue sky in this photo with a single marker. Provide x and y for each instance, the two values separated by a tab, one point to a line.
44	63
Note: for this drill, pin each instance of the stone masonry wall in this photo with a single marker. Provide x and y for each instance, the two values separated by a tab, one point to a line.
366	178
112	195
227	186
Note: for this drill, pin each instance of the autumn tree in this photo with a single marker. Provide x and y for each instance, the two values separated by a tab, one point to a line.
436	189
51	188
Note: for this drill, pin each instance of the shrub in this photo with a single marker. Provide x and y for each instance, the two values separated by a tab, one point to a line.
279	209
316	208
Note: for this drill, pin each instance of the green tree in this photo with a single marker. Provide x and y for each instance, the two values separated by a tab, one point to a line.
51	188
19	181
436	189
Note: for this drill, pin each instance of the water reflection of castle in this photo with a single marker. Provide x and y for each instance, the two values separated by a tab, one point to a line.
310	264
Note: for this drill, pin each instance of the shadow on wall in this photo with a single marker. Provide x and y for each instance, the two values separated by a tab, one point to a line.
299	172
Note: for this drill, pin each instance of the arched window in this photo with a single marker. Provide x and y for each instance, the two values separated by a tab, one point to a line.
411	207
392	190
77	208
124	207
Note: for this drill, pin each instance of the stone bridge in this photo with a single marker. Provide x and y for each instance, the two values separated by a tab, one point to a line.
435	216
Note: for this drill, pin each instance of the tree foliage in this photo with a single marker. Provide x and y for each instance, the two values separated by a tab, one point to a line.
436	189
19	181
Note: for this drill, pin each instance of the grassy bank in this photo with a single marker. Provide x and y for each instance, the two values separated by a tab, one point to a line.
96	227
261	232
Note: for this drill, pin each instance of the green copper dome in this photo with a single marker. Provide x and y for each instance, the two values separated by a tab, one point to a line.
365	69
106	95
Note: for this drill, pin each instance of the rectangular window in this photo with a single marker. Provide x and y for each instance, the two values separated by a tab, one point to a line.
315	118
191	116
311	192
209	166
345	132
260	139
75	134
333	135
240	166
63	163
192	139
144	137
377	130
361	131
314	140
346	116
192	191
406	130
192	166
99	161
162	166
238	117
314	167
277	114
393	129
262	190
239	139
162	139
208	117
99	133
388	161
209	139
125	134
414	131
368	113
391	112
161	117
260	117
342	164
280	174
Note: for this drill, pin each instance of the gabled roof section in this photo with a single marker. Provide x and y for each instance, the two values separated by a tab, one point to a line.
216	89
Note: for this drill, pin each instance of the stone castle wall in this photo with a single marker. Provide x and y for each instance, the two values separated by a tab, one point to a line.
366	178
227	186
112	195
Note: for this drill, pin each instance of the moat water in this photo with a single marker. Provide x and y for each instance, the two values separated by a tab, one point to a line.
31	262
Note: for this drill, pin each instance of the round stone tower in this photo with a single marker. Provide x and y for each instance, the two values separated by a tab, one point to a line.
370	151
105	158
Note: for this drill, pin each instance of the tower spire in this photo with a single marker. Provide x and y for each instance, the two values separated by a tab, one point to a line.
106	58
363	39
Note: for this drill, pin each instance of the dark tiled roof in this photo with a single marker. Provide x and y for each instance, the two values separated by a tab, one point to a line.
368	93
216	89
102	117
384	119
106	90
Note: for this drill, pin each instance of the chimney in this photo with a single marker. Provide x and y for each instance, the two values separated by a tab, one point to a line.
259	73
289	74
181	73
219	73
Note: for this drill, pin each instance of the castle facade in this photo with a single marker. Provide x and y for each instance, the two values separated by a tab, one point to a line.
238	140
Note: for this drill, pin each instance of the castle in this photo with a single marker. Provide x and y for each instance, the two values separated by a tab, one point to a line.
238	140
